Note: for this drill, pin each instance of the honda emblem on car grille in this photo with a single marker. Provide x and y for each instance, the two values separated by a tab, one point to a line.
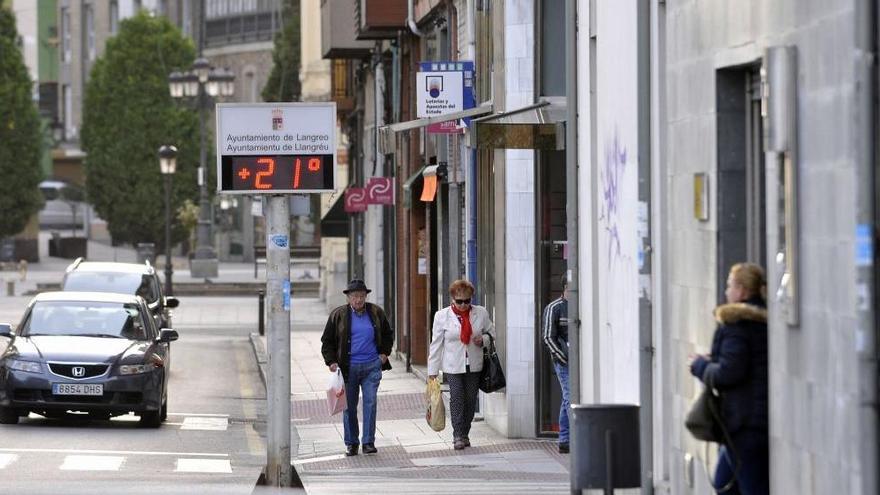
78	371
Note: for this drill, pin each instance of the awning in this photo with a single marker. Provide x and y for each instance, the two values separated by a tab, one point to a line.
386	132
430	189
334	223
537	127
410	185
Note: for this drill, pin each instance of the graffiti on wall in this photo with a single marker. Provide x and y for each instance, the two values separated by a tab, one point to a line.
611	179
618	223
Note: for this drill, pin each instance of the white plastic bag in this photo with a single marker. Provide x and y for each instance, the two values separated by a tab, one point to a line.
336	400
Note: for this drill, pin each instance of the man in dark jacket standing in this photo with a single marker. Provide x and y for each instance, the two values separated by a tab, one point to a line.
555	332
357	339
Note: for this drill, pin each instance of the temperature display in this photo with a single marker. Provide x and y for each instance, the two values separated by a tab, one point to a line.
277	173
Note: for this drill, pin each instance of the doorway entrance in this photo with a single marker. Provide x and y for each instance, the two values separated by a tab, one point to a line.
742	204
551	254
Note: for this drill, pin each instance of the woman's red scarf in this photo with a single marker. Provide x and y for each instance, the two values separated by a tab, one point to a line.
464	317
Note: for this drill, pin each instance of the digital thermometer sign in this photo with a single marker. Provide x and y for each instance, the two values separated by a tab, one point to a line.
276	148
271	173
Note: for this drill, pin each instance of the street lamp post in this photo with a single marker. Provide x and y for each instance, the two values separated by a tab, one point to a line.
202	83
168	165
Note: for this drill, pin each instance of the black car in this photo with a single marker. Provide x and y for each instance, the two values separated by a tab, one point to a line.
122	278
86	352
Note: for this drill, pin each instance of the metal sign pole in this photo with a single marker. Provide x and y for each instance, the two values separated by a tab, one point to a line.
278	383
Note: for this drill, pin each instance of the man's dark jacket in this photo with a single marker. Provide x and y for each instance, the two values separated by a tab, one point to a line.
738	365
336	341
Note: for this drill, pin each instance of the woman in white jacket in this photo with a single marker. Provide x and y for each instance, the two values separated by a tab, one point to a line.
456	350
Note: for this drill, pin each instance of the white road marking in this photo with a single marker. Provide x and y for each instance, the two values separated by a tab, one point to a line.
117	452
205	423
203	466
333	457
198	414
7	459
92	463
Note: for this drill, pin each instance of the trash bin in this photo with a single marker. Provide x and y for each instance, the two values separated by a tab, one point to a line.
146	251
605	448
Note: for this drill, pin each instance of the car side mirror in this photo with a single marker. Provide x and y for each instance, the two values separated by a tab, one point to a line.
172	302
6	330
168	335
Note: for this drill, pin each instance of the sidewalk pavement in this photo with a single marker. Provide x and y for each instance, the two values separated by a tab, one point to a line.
412	457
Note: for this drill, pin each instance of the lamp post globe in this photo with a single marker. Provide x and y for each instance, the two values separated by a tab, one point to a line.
167	166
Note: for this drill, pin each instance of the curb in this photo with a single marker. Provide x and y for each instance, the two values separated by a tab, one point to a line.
260	355
262	361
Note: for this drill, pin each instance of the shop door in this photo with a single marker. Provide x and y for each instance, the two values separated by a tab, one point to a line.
742	205
551	256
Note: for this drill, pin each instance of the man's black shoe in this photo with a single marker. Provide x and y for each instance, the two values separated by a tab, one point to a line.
370	448
351	450
563	448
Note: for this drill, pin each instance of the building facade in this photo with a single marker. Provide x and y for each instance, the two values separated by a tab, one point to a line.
706	135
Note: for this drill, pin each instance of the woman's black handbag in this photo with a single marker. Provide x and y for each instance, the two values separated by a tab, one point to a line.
705	423
492	376
703	418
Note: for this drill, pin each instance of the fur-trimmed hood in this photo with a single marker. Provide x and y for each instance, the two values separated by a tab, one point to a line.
728	314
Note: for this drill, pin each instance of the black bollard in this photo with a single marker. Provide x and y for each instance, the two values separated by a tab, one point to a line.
261	296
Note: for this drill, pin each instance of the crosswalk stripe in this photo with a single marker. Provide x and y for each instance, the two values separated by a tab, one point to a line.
92	463
203	466
7	459
205	424
205	415
125	452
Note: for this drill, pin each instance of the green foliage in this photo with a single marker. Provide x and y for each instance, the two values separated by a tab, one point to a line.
128	115
283	83
20	136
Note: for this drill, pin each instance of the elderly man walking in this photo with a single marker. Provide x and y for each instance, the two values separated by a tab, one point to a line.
357	339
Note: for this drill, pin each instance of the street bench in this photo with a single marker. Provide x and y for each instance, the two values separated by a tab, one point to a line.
298	255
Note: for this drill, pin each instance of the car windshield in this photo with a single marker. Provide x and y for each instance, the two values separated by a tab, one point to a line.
96	319
122	283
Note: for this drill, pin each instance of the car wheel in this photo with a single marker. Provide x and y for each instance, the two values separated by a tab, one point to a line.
151	419
164	414
8	416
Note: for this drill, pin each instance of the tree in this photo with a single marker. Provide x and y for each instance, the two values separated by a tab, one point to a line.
283	83
128	115
20	135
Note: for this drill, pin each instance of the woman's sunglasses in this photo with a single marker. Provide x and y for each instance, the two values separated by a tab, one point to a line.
463	301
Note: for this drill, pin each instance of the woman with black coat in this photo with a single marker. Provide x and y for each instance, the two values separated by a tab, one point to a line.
737	368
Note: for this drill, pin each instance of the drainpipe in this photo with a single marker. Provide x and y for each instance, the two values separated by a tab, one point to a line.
571	201
410	20
379	170
646	340
470	156
865	109
471	52
391	217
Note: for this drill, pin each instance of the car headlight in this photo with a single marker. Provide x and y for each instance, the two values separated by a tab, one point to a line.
134	369
26	366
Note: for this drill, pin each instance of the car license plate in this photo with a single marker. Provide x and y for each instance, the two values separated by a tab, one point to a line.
78	389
